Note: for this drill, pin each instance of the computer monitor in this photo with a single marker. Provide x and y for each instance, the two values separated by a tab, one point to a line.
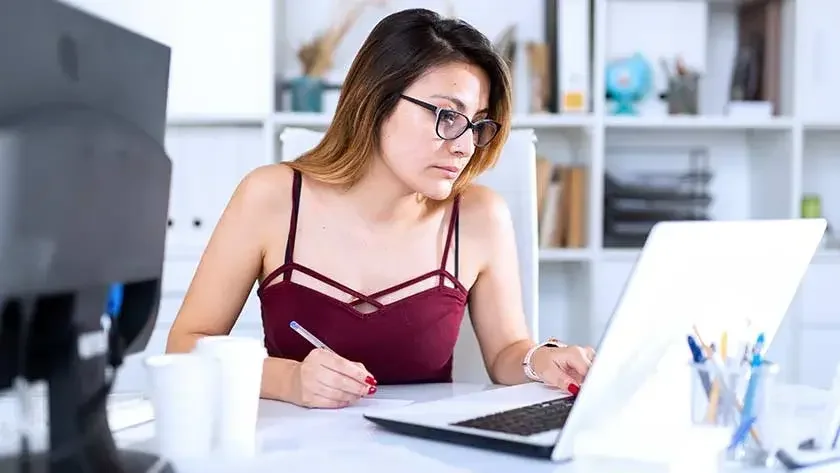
84	196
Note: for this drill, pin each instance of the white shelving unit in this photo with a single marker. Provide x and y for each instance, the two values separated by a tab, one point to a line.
762	167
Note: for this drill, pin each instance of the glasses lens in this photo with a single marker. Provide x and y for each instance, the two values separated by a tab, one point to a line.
451	124
484	132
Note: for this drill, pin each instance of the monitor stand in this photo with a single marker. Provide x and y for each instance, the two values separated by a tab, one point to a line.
80	439
75	453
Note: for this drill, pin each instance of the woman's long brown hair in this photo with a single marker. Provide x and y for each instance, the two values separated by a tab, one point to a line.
397	52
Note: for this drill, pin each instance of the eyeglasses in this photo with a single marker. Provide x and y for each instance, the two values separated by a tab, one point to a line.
451	124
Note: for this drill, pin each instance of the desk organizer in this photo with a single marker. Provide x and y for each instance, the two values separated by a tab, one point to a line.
734	395
633	205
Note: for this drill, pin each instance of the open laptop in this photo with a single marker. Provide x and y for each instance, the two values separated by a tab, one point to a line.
713	274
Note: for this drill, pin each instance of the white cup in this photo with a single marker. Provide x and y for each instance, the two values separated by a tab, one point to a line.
180	389
239	364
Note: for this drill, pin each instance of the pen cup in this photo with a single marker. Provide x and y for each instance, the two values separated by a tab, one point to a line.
736	397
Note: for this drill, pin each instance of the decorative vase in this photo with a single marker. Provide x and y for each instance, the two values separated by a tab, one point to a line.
307	94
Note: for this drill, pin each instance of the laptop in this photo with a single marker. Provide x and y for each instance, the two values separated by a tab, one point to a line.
710	274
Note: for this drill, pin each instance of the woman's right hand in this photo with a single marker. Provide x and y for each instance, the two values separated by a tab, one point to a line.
326	380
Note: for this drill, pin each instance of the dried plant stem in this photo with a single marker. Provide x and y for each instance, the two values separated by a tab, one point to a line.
316	56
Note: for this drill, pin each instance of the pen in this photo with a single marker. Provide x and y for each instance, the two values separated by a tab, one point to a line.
724	355
714	393
699	359
724	347
741	433
752	384
317	343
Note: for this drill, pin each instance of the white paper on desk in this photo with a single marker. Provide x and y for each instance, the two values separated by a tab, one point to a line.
368	404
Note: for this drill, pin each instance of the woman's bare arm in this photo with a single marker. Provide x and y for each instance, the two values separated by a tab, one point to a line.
230	266
496	297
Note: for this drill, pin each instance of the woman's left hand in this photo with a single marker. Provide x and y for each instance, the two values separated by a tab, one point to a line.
563	367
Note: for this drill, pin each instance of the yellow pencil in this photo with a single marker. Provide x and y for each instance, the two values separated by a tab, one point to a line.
714	395
724	342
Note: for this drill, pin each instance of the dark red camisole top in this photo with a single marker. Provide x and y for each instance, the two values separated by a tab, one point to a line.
405	340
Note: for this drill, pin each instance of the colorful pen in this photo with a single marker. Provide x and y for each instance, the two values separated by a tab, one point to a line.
747	417
699	359
728	408
752	385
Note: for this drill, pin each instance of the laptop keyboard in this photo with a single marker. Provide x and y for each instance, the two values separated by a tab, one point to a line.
527	420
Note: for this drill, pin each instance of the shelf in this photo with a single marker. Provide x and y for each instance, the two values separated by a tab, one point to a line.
537	121
550	120
699	123
821	125
620	254
301	119
565	255
216	121
540	121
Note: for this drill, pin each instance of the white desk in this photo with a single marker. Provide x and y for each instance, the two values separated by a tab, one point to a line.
306	441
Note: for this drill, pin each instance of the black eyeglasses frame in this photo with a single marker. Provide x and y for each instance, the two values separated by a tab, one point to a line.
470	124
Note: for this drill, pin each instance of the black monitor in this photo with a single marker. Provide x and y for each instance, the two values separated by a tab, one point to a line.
84	196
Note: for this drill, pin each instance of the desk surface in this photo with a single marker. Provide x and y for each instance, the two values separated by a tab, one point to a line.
304	441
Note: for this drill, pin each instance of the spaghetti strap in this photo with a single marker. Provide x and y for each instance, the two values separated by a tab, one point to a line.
453	223
457	232
290	240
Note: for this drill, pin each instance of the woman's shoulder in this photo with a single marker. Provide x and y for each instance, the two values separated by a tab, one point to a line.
482	209
267	188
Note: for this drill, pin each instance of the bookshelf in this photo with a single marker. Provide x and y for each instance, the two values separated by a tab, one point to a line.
762	165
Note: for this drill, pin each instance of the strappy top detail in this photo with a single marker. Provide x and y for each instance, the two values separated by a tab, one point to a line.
409	338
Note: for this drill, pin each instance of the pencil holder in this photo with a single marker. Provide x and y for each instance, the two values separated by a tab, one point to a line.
735	396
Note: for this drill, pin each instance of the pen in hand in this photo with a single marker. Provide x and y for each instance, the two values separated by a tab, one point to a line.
315	341
325	374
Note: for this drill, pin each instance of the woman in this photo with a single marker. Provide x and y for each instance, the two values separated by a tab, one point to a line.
386	239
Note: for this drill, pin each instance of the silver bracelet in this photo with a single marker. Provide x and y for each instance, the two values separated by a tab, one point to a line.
526	362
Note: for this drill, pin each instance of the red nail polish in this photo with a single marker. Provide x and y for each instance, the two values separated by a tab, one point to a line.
371	390
573	389
370	380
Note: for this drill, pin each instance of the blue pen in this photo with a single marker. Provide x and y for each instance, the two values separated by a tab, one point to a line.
697	356
741	432
752	385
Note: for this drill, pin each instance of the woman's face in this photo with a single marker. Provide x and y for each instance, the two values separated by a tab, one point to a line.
411	147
